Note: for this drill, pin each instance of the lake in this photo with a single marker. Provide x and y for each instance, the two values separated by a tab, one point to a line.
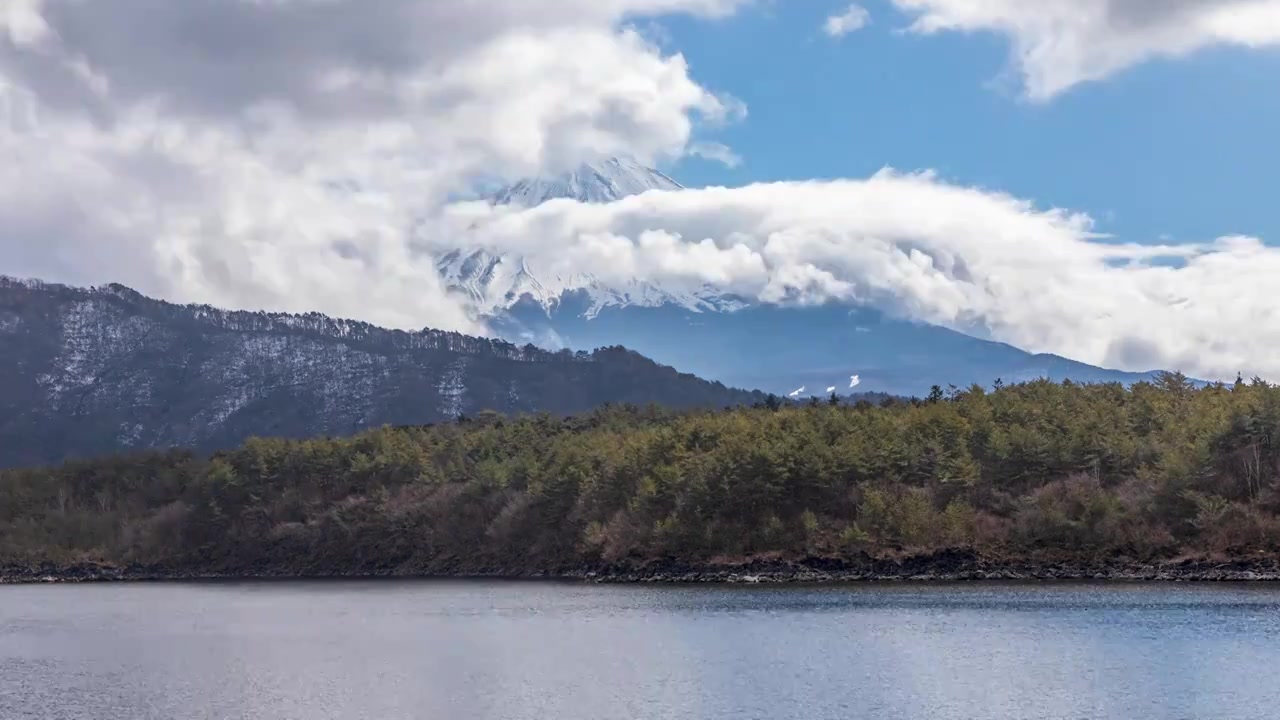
515	651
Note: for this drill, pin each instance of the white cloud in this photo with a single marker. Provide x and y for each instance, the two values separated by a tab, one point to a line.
855	17
716	152
921	248
1058	44
22	22
275	153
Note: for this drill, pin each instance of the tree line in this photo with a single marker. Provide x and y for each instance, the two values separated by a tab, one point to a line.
1154	470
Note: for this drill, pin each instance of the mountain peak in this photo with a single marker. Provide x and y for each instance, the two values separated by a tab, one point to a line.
495	281
604	181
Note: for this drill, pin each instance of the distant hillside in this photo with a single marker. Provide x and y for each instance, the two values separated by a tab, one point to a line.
92	371
779	349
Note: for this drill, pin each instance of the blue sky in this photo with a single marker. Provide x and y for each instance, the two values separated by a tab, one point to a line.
1184	148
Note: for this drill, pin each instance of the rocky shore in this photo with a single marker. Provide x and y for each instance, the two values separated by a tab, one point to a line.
945	566
949	566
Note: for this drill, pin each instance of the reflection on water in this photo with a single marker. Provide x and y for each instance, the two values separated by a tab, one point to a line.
527	650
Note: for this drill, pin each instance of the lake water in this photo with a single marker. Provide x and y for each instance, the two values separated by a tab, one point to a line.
516	651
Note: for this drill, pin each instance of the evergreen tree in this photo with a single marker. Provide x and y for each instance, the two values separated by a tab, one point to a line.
935	395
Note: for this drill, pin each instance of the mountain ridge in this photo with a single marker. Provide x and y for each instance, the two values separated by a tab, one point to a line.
90	371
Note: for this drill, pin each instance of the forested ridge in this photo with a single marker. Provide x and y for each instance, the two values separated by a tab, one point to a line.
1150	473
89	371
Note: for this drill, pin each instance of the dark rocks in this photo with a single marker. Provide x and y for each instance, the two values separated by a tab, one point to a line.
943	566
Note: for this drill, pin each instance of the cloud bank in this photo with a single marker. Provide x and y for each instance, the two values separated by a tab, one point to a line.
1058	44
922	248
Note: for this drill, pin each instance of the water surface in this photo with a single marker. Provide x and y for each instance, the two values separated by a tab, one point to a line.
517	651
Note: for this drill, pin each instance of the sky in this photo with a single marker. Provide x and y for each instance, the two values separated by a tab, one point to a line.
1084	177
1179	148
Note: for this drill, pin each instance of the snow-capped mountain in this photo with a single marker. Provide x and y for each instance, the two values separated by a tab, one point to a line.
606	181
495	282
720	337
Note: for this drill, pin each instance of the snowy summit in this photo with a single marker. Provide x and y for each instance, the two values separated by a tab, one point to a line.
494	282
606	181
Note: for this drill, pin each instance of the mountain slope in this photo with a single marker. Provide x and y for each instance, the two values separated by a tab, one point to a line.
736	341
90	371
780	349
494	283
606	181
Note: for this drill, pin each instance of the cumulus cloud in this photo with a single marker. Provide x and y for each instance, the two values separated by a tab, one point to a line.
275	153
922	248
1058	44
22	22
855	17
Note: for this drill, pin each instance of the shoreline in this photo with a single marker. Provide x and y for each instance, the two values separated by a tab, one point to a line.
948	566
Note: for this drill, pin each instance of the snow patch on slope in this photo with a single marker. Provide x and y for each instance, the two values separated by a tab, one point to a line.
453	388
493	282
92	333
606	181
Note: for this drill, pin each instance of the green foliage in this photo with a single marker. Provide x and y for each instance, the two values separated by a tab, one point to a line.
1158	468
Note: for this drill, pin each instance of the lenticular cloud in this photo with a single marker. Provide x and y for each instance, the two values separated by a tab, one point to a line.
921	248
